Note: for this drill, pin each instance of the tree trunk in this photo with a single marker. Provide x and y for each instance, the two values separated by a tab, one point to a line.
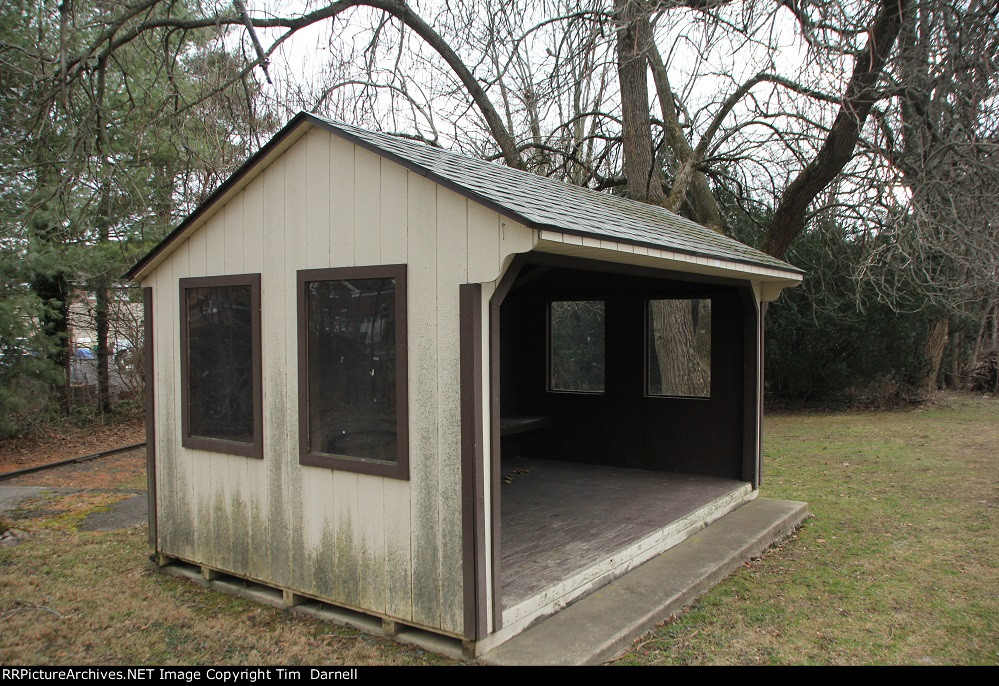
701	201
103	350
936	343
634	35
674	335
103	221
954	377
983	365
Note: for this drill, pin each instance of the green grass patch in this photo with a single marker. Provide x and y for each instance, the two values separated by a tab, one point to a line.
899	565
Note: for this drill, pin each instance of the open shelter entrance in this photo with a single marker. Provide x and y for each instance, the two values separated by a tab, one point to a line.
627	420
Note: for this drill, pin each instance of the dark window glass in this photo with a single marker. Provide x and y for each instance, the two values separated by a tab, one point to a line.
679	347
351	326
577	346
220	362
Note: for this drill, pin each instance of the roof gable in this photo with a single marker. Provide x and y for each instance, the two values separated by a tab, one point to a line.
535	201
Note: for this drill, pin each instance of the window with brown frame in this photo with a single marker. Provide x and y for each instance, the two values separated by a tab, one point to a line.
353	404
679	347
220	364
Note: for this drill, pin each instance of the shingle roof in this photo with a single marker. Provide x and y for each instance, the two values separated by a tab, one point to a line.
542	203
535	201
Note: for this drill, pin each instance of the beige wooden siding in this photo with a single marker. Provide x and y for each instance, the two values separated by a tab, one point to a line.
382	545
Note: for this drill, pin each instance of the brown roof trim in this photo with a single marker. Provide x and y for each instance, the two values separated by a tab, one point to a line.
226	186
422	171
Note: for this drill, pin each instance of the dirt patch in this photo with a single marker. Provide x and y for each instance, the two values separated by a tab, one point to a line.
121	471
67	440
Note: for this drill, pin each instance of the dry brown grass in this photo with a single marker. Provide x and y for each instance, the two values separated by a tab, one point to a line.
74	597
65	439
124	470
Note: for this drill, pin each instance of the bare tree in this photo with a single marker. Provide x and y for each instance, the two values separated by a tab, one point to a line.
942	240
766	111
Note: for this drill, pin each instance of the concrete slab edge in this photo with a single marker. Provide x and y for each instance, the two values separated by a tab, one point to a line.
777	532
787	517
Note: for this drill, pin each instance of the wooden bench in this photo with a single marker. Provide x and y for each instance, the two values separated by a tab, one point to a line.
510	429
518	425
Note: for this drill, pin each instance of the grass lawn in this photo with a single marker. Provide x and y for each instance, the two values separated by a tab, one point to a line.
898	565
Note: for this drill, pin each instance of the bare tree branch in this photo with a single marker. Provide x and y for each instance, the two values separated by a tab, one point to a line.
837	150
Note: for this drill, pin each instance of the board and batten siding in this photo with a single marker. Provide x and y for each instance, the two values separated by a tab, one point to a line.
385	546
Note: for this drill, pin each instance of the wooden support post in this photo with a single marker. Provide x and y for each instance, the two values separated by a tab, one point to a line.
390	627
209	574
468	648
291	599
163	560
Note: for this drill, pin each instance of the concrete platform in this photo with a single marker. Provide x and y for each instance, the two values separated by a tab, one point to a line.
601	625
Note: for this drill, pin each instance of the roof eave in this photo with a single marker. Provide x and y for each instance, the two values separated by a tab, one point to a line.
556	241
787	270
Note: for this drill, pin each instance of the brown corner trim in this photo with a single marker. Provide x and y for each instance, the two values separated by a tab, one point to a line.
751	385
495	478
149	397
473	533
761	342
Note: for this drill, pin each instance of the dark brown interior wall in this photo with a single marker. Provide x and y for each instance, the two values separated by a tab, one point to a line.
623	427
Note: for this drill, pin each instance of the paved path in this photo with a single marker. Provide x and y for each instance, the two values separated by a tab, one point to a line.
126	513
12	496
122	515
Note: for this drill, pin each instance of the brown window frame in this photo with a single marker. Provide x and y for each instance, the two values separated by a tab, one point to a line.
647	349
548	347
398	469
218	445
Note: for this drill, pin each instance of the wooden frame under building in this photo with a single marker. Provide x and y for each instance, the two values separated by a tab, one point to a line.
500	504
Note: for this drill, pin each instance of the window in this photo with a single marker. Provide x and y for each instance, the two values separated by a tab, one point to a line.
576	346
353	411
679	347
220	364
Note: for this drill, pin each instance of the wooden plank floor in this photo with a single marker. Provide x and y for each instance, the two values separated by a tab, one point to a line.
560	517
